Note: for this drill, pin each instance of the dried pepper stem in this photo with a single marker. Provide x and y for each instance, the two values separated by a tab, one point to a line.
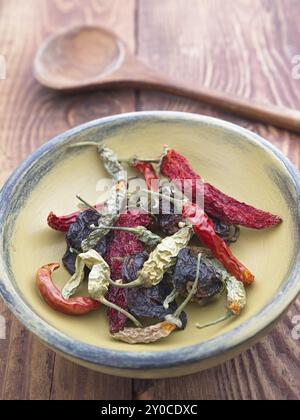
170	298
85	143
175	317
228	315
88	205
135	158
192	291
121	310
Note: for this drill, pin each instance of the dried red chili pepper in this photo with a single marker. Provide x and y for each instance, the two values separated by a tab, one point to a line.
52	295
149	173
217	204
62	223
204	229
121	245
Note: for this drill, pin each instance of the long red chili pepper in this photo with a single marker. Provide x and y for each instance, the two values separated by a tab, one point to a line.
52	295
216	203
204	229
62	223
149	173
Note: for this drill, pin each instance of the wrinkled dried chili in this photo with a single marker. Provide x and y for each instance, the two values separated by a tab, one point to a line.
108	215
121	245
162	329
210	279
217	204
161	259
147	302
53	296
204	229
62	223
148	171
116	200
78	231
98	281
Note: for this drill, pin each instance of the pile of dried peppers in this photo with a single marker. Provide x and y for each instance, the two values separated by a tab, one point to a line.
142	264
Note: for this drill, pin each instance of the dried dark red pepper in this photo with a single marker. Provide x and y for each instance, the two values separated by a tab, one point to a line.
62	223
121	245
217	204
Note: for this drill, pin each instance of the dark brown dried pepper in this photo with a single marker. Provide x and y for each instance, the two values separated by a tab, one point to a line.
78	231
145	302
210	279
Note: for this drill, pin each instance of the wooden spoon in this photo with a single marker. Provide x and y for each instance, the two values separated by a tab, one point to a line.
89	57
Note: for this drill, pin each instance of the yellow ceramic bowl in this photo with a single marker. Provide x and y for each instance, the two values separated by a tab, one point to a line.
237	161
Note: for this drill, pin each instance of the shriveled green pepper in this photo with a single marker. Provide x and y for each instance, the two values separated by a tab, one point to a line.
116	199
161	259
98	282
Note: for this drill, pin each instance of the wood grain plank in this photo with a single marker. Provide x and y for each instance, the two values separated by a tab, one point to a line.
29	115
245	48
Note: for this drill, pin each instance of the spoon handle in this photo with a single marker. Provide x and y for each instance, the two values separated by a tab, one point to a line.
262	112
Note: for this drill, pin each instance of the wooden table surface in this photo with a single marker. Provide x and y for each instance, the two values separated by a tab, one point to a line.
243	47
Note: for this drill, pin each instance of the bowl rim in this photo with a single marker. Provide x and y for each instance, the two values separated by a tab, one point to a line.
135	360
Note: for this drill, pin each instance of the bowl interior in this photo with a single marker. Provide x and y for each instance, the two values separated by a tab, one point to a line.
221	155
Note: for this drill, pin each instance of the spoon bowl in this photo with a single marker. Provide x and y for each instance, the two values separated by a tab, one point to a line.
78	58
